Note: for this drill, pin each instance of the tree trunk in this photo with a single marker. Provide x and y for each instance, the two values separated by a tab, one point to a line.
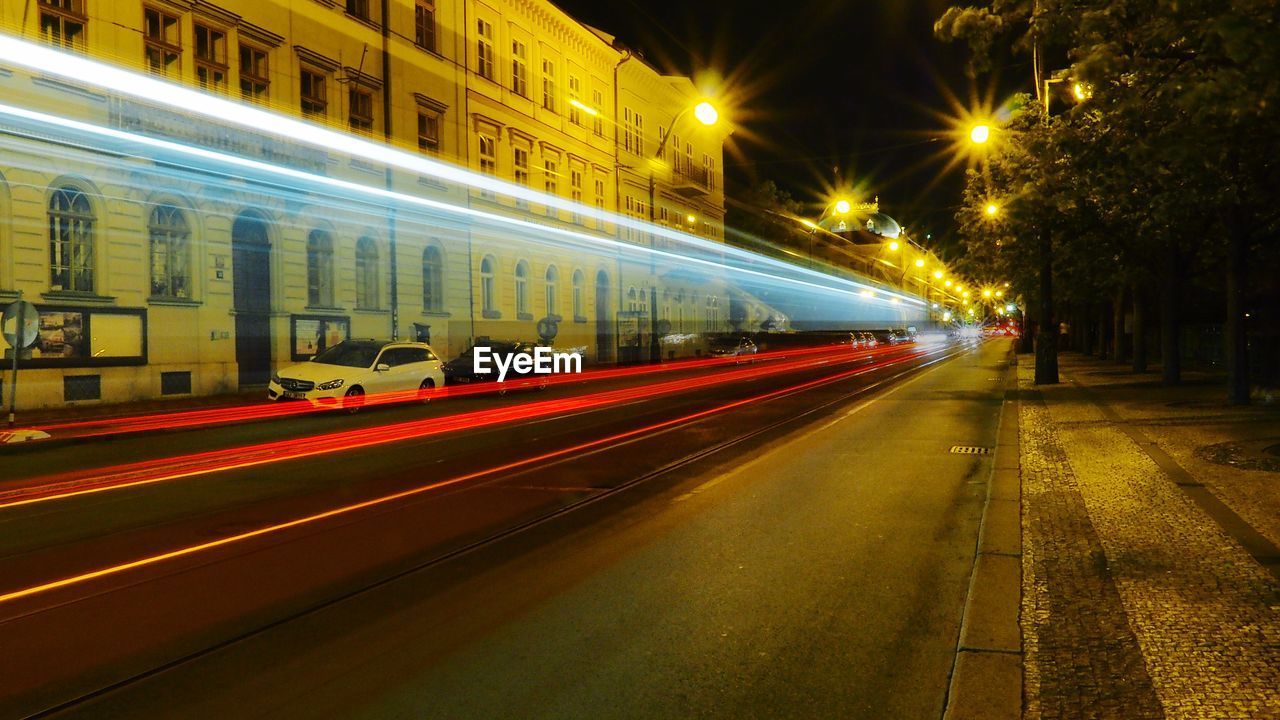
1139	330
1026	342
1086	333
1104	317
1170	323
1237	348
1117	327
1047	337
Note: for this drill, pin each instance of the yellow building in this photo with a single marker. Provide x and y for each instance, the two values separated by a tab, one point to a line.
155	282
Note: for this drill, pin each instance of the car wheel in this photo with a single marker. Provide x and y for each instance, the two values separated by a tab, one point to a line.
426	389
353	400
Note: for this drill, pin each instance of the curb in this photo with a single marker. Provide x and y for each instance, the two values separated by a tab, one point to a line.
986	681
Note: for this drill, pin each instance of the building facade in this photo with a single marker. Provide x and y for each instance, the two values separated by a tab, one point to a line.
153	280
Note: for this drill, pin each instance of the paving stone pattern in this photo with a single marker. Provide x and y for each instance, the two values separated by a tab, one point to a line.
1135	603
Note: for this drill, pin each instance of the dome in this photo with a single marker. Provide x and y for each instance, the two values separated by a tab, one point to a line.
883	225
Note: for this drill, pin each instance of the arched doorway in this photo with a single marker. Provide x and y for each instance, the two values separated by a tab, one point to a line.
604	336
251	291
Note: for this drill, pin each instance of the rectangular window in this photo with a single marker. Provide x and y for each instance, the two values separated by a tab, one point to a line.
575	93
163	43
549	85
520	163
488	161
361	109
255	77
633	131
358	8
575	191
519	68
676	166
551	180
709	172
597	101
429	131
211	58
484	49
424	24
62	23
599	188
315	97
488	155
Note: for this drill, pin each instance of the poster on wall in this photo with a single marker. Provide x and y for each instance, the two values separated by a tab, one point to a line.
312	334
62	335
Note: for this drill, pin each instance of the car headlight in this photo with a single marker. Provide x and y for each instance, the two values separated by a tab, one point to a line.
275	378
331	385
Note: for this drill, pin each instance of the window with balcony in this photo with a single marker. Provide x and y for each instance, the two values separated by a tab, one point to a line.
162	43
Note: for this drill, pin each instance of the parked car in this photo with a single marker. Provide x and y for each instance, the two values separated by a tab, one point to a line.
345	374
741	347
903	335
866	340
462	369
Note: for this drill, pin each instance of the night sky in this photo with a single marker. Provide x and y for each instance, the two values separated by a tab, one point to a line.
820	84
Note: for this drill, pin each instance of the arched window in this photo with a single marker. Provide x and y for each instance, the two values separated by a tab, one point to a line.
579	304
432	279
366	273
319	269
170	252
70	240
488	281
522	288
552	294
632	304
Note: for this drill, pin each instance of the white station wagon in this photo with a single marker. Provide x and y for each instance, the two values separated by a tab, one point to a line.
347	373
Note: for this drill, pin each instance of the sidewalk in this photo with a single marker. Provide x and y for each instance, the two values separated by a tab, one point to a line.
1149	576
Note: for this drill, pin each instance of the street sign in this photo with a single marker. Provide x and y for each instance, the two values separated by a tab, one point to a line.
30	324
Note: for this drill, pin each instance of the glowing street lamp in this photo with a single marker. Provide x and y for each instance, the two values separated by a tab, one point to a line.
893	246
843	207
980	134
986	293
992	209
706	113
919	262
937	274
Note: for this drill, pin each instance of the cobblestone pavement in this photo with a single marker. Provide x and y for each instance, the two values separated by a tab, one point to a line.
1135	603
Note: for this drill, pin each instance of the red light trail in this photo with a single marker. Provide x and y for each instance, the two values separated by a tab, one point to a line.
82	482
421	489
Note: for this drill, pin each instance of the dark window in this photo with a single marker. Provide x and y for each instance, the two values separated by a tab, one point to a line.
81	387
424	24
361	101
432	279
170	253
175	383
428	131
319	269
315	99
255	77
358	8
62	22
211	58
71	221
163	43
366	274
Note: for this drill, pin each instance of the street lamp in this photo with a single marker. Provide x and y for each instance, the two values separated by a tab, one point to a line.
992	209
893	246
980	134
706	114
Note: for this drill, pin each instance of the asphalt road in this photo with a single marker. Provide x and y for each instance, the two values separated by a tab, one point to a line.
569	566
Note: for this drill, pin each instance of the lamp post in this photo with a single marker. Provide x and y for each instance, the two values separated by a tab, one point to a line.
705	113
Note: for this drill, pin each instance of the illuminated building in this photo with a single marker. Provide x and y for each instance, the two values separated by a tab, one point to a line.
192	289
